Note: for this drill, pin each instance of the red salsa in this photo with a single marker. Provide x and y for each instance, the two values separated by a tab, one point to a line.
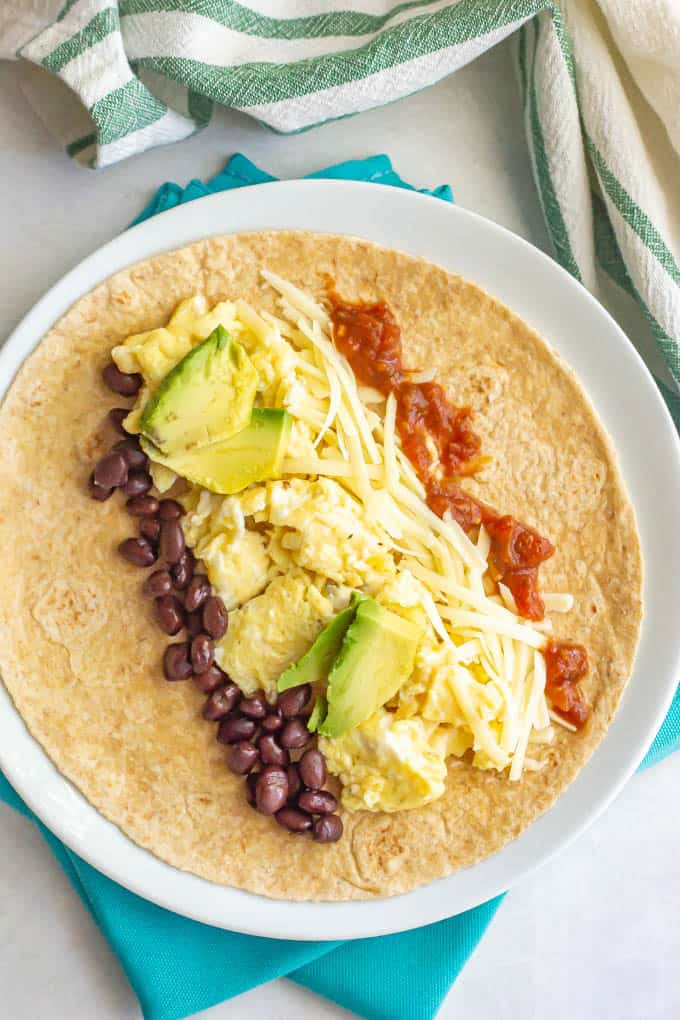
566	665
439	440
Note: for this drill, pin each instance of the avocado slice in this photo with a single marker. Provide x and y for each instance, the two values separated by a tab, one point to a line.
252	455
205	398
376	657
319	713
318	660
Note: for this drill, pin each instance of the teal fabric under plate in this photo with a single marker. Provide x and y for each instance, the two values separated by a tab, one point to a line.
178	967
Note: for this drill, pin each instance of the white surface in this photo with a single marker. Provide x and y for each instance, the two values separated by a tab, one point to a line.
540	292
591	934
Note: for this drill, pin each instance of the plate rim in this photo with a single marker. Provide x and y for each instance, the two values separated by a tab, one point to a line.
223	906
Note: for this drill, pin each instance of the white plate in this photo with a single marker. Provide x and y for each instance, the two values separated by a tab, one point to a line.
625	396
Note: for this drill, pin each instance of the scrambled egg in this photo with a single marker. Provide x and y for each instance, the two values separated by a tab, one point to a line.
273	630
155	352
387	764
433	672
235	558
439	672
313	524
239	567
404	595
322	527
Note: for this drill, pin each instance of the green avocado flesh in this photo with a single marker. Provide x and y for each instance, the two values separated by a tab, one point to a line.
252	455
206	398
318	661
376	658
319	713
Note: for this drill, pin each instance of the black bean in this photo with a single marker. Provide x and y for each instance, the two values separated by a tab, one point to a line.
117	416
138	483
215	618
150	528
271	790
242	757
135	457
294	784
292	701
176	664
293	820
251	782
170	510
137	551
211	679
255	707
197	592
317	802
272	722
183	570
111	471
294	734
221	702
312	766
158	583
142	506
235	728
125	383
271	752
327	829
170	614
97	491
201	653
171	541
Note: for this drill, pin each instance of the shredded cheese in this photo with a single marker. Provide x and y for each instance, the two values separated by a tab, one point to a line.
519	631
485	739
299	299
410	478
361	448
450	530
327	467
556	718
558	602
508	598
370	396
536	691
427	375
483	603
347	383
389	445
435	619
484	543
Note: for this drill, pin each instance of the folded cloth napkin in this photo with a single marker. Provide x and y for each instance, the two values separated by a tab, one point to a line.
600	83
178	967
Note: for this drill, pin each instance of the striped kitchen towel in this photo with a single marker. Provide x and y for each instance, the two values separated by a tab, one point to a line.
600	83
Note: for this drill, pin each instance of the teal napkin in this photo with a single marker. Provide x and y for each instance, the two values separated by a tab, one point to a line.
178	967
239	171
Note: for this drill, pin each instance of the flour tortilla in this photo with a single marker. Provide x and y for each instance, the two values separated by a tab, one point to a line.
80	650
